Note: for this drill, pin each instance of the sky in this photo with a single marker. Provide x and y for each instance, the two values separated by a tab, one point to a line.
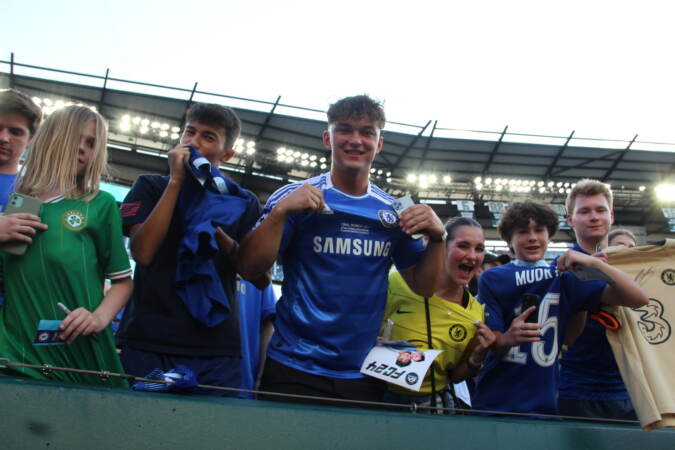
601	68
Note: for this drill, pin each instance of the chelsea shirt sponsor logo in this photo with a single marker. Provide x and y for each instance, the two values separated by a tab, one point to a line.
74	220
388	218
351	246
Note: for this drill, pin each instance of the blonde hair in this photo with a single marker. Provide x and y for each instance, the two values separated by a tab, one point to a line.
587	187
52	156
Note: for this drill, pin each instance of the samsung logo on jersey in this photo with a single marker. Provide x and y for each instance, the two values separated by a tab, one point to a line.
534	275
351	246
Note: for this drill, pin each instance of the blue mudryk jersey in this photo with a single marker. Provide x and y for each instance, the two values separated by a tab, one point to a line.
335	278
526	378
588	369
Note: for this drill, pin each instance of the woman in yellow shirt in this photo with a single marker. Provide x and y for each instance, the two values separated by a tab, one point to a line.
451	320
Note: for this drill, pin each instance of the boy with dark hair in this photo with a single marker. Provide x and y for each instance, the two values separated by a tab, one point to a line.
160	328
590	381
337	234
19	119
520	375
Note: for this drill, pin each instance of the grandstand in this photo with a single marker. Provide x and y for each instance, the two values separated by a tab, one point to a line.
457	172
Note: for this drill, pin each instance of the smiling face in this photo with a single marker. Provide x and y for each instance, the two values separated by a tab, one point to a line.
465	253
14	137
591	217
353	142
530	243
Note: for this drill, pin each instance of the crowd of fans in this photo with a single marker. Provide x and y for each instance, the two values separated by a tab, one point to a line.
194	232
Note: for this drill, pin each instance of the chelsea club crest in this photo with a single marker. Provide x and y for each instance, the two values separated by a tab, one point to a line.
388	218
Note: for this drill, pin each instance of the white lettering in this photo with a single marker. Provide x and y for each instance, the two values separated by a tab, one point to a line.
343	246
317	244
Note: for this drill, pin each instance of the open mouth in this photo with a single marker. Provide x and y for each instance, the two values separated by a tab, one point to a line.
467	269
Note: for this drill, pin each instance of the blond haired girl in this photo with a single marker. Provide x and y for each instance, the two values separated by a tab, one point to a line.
69	262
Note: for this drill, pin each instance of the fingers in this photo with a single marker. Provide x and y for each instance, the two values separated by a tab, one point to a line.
78	322
420	218
525	314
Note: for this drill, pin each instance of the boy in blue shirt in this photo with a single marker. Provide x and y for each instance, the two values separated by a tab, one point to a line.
521	373
19	119
590	381
336	235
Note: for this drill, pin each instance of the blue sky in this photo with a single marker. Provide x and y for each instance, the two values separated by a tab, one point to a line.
598	67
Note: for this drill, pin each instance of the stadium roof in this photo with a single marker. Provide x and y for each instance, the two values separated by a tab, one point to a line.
282	143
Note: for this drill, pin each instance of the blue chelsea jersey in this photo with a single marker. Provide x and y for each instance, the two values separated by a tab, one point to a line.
526	378
588	369
335	265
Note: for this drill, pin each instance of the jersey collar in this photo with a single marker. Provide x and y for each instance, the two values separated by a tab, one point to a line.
329	185
521	263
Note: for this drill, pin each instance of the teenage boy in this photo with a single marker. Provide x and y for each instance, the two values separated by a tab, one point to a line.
158	330
337	234
520	375
19	119
590	381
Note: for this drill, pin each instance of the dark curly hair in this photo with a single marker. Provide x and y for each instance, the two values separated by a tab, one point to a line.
518	215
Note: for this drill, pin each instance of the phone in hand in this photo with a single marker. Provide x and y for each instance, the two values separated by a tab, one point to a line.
530	300
19	203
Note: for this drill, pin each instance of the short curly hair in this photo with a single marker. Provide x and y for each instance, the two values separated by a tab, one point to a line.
357	107
518	215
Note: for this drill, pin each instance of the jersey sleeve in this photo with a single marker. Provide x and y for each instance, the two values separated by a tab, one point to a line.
108	240
494	314
249	219
585	295
141	200
408	252
268	303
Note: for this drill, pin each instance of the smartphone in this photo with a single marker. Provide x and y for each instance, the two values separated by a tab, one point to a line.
528	301
19	203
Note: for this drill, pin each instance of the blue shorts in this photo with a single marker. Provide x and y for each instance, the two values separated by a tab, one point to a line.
215	371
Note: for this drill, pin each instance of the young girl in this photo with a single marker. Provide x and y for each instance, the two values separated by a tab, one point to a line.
451	320
68	262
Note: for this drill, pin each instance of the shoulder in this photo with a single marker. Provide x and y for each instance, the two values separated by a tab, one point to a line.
318	182
381	195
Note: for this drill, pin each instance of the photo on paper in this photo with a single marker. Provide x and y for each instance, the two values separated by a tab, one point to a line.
400	363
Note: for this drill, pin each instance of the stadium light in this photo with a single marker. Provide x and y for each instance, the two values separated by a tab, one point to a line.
665	192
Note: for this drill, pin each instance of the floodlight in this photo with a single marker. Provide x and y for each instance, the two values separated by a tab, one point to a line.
411	178
175	135
124	126
323	166
499	187
305	156
312	157
388	179
561	190
250	150
163	133
323	160
447	179
280	157
477	180
641	188
304	162
379	171
479	187
388	174
423	183
372	170
175	129
542	190
154	124
47	101
145	122
136	120
540	184
665	192
143	129
488	181
312	164
281	150
37	100
125	118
